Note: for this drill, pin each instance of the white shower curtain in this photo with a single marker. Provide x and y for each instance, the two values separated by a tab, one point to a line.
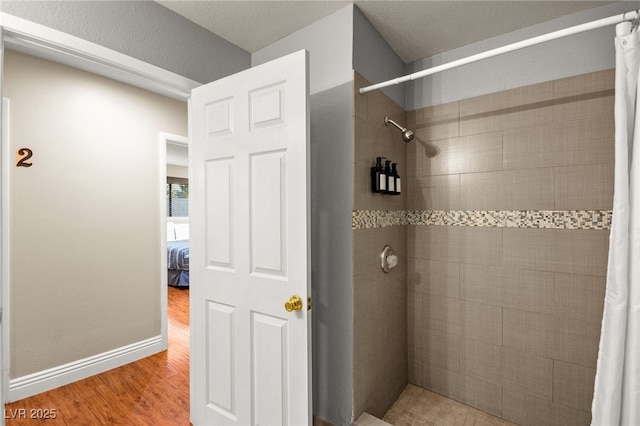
616	399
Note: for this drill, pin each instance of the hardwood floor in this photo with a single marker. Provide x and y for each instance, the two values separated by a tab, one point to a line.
152	391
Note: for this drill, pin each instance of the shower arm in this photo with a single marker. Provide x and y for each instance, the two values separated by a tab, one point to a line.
407	135
387	120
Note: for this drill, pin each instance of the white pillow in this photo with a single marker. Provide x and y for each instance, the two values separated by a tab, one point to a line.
171	231
182	231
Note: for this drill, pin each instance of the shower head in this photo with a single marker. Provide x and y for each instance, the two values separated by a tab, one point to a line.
407	135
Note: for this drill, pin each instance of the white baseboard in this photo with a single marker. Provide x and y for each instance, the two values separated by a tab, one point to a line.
42	381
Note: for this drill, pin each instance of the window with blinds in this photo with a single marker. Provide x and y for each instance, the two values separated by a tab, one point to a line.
177	197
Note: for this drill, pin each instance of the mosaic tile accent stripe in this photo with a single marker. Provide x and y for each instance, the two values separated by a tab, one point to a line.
364	219
542	219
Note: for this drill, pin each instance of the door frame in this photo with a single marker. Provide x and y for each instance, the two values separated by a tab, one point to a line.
44	42
164	140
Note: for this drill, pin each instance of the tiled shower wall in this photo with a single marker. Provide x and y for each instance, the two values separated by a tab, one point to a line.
380	308
505	316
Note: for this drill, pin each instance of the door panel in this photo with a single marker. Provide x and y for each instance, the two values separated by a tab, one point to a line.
269	359
219	212
221	350
250	358
268	218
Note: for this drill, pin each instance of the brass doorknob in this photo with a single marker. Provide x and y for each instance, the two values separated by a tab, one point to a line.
293	304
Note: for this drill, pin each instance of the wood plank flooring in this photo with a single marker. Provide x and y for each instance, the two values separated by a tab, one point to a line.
152	391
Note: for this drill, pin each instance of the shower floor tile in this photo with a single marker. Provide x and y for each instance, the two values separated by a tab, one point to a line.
420	407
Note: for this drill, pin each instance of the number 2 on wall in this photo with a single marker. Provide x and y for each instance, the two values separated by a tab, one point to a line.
23	155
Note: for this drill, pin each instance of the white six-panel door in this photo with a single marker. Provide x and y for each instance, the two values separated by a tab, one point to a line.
249	161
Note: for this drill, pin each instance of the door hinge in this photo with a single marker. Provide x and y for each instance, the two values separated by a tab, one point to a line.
308	303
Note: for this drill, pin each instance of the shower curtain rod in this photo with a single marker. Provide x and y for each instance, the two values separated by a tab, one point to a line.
508	48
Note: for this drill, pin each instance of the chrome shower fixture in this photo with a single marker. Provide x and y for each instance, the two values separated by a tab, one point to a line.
407	135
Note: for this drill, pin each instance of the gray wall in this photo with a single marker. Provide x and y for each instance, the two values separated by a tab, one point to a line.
579	54
329	42
332	267
142	29
374	59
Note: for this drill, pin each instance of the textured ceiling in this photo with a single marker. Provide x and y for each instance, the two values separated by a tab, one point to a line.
414	29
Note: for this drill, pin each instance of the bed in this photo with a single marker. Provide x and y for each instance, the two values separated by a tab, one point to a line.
178	254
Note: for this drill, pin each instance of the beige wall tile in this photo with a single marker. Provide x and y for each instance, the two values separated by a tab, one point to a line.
487	191
397	368
484	283
415	372
380	300
421	240
435	277
537	249
586	83
573	385
588	105
572	296
478	245
363	198
482	361
415	153
361	387
442	314
584	141
395	307
480	394
391	235
584	187
528	410
435	193
362	299
552	337
566	416
440	380
507	287
525	409
533	189
374	139
527	373
419	155
479	152
458	244
531	291
495	102
588	248
363	149
481	322
530	189
466	389
414	326
509	109
436	122
528	297
441	349
365	251
380	105
388	376
578	296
